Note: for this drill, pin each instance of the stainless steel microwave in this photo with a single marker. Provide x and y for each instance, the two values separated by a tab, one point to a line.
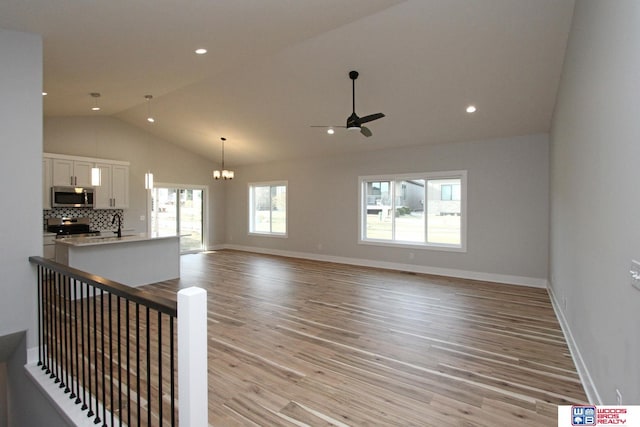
72	197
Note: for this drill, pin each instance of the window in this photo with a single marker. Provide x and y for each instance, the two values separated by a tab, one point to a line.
426	209
268	208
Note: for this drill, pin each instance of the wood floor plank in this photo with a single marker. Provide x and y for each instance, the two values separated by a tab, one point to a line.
296	342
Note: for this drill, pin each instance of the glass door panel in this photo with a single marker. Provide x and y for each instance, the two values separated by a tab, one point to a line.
190	225
179	211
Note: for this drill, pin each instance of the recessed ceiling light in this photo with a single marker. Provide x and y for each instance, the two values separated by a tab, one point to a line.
330	131
471	109
44	94
201	51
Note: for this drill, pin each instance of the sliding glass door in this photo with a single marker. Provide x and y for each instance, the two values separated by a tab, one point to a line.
179	210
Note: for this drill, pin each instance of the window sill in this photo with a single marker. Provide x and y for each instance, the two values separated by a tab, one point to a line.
411	245
280	236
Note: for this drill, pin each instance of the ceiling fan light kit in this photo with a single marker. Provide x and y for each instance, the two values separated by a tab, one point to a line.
354	122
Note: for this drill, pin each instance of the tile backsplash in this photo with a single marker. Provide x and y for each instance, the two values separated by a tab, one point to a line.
100	218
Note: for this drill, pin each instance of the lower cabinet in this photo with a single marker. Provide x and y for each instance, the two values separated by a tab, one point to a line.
49	246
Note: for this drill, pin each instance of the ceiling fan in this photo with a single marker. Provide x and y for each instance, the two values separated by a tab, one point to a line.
353	121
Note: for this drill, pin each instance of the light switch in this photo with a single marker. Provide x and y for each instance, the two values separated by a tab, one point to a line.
634	271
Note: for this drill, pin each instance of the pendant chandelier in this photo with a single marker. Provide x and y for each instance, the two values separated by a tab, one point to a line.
224	173
96	178
150	118
148	177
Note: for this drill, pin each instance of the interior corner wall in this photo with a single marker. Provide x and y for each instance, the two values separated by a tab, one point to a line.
21	171
508	201
114	139
595	226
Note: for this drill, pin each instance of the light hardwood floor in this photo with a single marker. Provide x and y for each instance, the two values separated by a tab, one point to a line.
295	342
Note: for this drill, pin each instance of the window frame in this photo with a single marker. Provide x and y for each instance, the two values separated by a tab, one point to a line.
426	176
271	184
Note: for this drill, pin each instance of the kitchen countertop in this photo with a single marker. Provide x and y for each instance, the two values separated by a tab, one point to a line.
111	239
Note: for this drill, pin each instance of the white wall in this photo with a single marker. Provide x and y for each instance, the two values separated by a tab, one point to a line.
507	205
111	138
595	207
21	173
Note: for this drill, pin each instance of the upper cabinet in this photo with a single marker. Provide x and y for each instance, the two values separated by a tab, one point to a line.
64	170
72	172
113	192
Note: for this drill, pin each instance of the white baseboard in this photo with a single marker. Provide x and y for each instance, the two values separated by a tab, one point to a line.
411	268
587	382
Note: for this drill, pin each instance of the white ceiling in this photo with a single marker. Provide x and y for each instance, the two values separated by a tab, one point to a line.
275	67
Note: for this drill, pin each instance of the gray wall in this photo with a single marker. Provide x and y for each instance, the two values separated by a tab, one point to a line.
507	205
111	138
21	171
595	231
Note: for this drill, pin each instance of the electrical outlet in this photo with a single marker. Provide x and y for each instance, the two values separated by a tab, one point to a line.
618	397
634	272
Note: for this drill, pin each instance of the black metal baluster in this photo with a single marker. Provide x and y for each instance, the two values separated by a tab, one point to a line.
104	373
85	351
95	353
73	321
58	330
128	335
148	367
173	374
111	361
138	359
119	364
160	367
90	290
77	303
66	325
40	324
45	320
49	324
54	328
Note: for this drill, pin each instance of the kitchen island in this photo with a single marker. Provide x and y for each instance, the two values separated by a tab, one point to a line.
133	260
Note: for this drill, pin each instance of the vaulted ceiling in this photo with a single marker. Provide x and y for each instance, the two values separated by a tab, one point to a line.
276	67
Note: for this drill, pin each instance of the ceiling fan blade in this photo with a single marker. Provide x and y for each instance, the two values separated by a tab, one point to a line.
365	131
370	118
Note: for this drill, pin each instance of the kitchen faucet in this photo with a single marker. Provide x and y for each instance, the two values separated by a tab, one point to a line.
119	232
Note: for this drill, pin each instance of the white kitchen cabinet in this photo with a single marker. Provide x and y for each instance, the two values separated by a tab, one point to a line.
46	183
71	172
113	192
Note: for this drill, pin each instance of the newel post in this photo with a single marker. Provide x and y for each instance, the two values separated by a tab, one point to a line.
192	357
